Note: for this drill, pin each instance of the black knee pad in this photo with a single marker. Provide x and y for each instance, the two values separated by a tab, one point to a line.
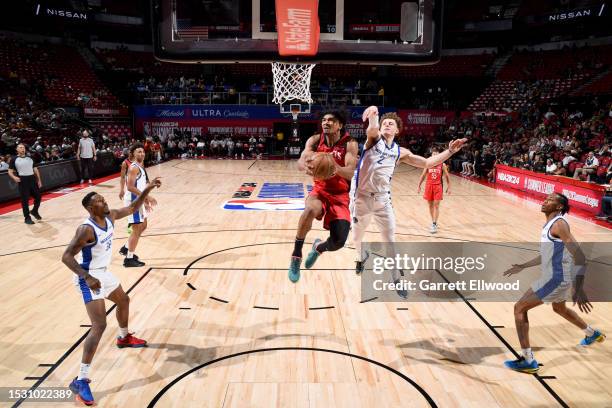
338	233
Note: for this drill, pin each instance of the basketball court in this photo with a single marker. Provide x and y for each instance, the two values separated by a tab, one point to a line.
226	328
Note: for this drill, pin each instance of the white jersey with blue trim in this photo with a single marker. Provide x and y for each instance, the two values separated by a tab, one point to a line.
141	184
98	254
557	261
376	166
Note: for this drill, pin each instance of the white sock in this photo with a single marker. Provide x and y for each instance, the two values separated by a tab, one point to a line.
125	245
83	371
123	331
528	354
130	254
589	331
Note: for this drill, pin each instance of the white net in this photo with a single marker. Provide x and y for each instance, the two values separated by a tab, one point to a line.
291	81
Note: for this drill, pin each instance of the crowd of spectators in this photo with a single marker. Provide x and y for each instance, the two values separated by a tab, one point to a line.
562	143
216	89
185	144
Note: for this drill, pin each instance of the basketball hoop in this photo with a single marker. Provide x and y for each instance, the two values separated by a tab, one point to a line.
291	81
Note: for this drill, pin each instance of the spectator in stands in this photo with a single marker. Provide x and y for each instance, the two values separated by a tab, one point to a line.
4	166
222	146
10	142
200	146
560	171
551	167
488	162
606	207
239	149
590	167
214	146
86	155
252	145
156	151
182	146
569	158
468	164
229	143
261	145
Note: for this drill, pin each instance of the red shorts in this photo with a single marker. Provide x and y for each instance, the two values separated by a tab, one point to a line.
433	192
335	206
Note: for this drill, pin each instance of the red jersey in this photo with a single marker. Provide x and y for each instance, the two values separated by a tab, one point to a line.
336	184
434	175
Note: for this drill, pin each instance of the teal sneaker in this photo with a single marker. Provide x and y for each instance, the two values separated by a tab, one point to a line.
521	365
596	337
312	255
294	269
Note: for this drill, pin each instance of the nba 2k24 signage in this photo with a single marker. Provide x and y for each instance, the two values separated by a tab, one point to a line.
581	195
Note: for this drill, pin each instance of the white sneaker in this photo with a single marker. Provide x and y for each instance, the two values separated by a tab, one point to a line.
82	181
433	229
90	182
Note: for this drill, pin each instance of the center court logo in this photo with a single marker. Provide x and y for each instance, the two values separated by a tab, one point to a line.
264	205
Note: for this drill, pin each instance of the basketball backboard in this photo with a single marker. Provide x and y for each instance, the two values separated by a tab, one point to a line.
367	32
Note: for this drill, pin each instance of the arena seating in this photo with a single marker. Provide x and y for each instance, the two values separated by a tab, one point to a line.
116	130
60	67
451	66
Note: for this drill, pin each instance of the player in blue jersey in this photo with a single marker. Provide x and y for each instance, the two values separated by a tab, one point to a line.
93	243
563	265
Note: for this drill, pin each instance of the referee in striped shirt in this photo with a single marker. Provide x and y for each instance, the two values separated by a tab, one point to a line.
23	171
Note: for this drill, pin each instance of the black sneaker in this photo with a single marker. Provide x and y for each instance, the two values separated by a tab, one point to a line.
359	267
132	263
123	250
36	215
29	221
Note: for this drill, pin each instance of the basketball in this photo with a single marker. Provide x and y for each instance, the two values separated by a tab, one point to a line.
323	166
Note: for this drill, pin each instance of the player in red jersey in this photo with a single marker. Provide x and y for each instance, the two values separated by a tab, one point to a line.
329	199
433	189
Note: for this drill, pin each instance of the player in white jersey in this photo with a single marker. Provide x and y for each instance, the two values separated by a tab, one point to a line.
563	266
136	182
93	242
372	179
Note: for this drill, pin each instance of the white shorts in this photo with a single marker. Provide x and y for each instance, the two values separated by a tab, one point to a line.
108	283
138	216
550	291
378	206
